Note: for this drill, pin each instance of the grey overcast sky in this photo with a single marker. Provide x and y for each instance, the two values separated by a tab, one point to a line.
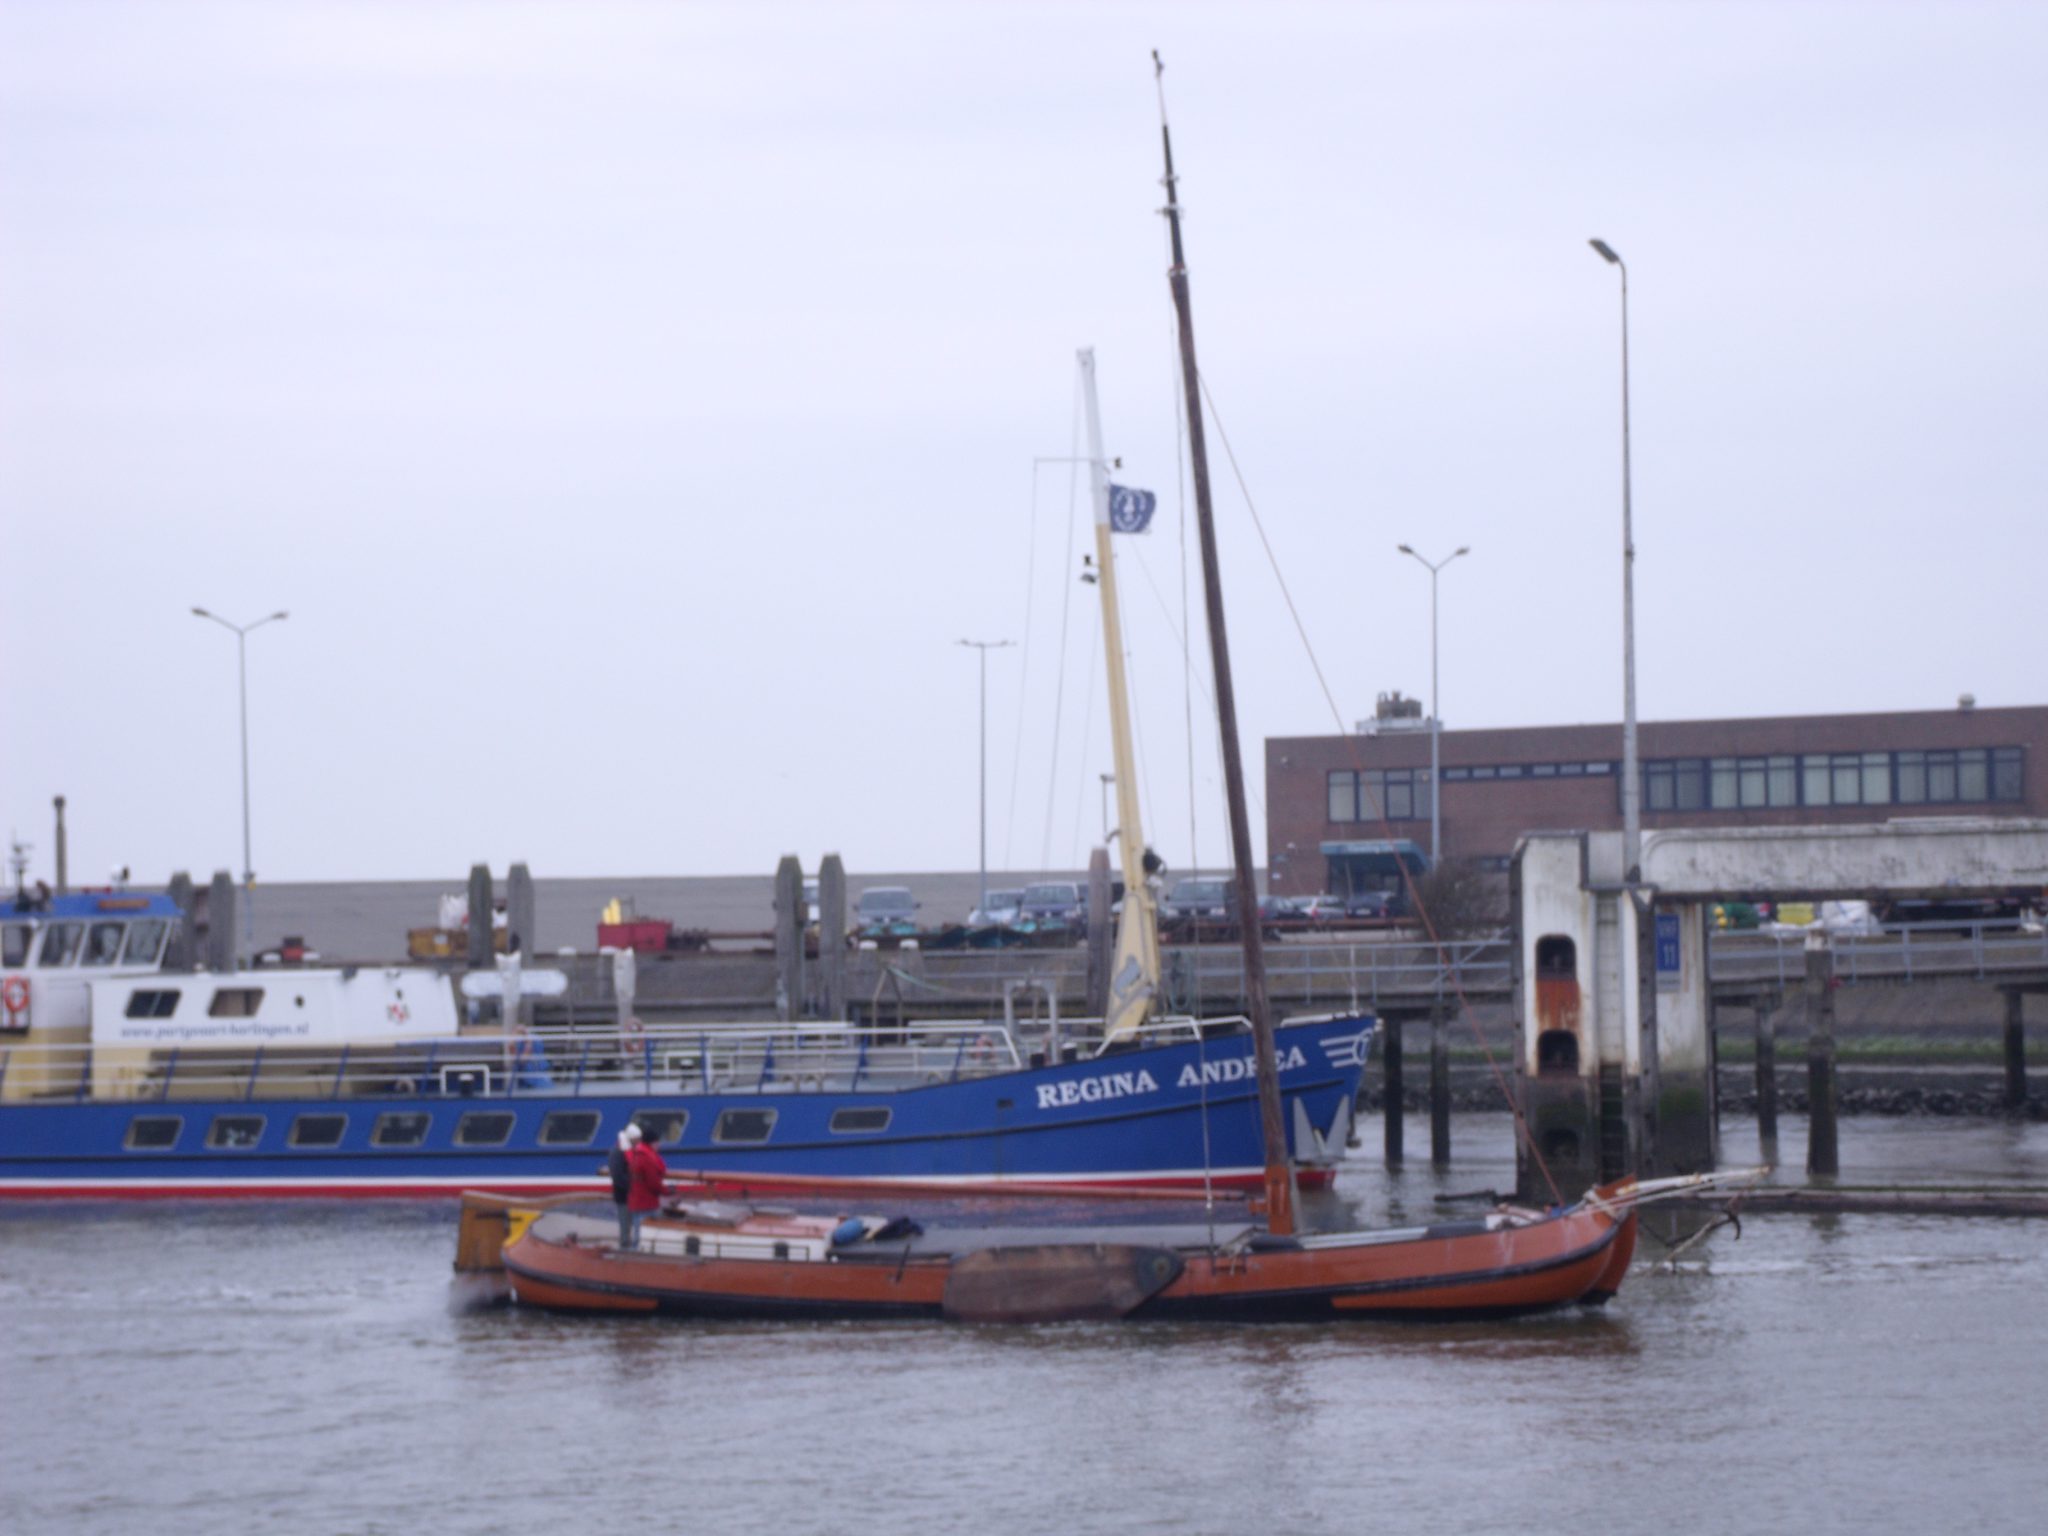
634	403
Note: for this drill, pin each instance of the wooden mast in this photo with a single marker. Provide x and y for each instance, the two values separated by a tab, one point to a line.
1279	1172
1134	972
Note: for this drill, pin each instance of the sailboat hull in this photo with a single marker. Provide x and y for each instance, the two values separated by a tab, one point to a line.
1504	1265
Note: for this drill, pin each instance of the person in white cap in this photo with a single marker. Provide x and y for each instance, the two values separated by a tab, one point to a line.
618	1164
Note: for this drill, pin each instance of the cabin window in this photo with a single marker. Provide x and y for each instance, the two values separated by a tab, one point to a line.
849	1122
484	1128
153	1133
153	1003
318	1130
60	943
568	1128
234	1133
145	941
406	1128
236	1003
14	945
103	943
663	1127
744	1125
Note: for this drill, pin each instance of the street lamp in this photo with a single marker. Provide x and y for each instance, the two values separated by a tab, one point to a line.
1436	822
241	633
985	646
1631	779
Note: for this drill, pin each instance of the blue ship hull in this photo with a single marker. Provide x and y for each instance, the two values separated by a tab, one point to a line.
1171	1115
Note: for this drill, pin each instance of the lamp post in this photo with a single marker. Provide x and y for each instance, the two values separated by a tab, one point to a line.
1436	823
241	633
985	646
1631	778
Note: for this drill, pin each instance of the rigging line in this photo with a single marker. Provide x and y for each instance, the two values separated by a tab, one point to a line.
1087	732
1415	899
1024	679
1059	696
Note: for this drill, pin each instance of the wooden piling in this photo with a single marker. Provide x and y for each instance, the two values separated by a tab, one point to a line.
789	937
1101	933
2015	1049
1822	1153
1767	1069
220	922
832	936
1439	1088
481	953
1392	1090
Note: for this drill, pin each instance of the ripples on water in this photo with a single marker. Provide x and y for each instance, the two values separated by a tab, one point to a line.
298	1368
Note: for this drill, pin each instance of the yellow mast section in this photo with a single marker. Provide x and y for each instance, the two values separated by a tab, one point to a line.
1134	973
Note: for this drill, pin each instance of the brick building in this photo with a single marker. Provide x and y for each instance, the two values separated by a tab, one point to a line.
1326	792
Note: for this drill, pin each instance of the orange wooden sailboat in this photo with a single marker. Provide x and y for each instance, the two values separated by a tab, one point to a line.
732	1258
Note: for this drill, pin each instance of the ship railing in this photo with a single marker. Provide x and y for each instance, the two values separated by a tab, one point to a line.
692	1058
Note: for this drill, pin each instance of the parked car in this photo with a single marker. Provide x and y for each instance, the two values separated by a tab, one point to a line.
1197	897
999	911
1053	901
885	907
1371	903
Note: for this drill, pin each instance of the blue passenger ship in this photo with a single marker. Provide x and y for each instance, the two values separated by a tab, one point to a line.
121	1078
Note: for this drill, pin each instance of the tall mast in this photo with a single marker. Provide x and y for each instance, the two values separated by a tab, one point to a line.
1279	1172
1134	976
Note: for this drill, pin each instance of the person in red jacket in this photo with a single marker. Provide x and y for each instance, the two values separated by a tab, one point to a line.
648	1173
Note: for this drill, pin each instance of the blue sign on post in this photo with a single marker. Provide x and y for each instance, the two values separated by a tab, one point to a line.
1668	962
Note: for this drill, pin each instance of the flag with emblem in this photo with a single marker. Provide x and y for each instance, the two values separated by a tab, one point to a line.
1130	511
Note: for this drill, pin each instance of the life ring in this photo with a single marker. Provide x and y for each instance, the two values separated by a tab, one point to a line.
14	994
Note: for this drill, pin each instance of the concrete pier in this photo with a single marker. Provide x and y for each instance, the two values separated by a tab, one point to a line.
480	953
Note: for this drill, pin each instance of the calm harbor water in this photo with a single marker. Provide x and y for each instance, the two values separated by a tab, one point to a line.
290	1367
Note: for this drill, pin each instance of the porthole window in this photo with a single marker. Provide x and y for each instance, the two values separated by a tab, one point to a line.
234	1133
406	1128
850	1122
569	1128
743	1125
153	1133
663	1127
484	1128
318	1130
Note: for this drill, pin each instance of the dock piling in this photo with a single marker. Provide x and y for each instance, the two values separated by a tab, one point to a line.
789	937
1767	1074
2015	1049
481	936
1391	1088
1822	1156
1439	1087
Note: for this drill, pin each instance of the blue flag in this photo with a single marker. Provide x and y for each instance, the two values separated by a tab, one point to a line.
1130	511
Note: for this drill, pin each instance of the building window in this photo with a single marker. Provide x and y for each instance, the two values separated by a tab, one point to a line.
1460	775
2006	776
1571	770
1540	771
1877	778
1596	769
1973	777
1784	776
1343	797
1721	784
1511	770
